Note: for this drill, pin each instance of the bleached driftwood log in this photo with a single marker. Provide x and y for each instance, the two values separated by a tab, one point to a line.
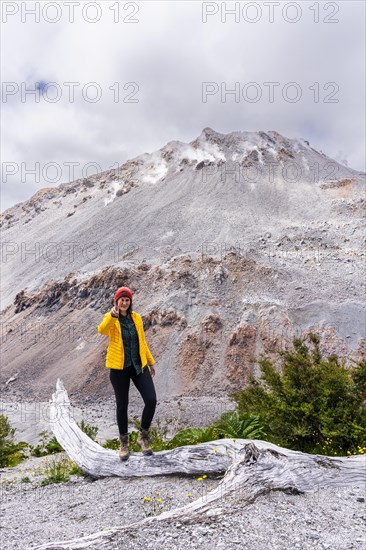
253	468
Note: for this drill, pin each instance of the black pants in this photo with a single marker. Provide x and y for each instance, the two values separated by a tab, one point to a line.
120	380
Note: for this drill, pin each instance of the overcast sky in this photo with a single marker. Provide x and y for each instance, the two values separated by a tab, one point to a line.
163	53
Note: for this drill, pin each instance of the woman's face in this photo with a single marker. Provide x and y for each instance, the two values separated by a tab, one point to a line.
123	303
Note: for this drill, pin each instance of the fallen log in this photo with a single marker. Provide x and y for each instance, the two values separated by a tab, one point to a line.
253	468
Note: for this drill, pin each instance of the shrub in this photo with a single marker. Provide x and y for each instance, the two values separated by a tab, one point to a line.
313	404
193	436
57	472
10	452
242	426
91	431
230	425
47	445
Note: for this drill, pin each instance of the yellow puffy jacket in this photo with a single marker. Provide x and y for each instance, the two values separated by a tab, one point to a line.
110	326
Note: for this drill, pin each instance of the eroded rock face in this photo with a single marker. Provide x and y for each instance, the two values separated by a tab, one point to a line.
191	359
240	351
202	336
165	317
211	324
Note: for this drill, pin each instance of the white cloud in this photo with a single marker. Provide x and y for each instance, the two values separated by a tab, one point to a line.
169	53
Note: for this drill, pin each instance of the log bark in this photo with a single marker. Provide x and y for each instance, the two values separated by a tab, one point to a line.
253	468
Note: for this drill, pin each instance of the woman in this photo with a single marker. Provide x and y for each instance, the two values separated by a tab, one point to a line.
128	357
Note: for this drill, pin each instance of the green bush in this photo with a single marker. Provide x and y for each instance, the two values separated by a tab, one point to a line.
243	426
57	472
193	436
313	404
49	445
111	443
11	453
91	431
230	425
46	446
53	446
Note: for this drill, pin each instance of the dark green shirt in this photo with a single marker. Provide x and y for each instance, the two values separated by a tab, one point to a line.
130	343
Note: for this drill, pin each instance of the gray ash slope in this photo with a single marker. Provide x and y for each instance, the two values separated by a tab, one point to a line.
247	238
164	199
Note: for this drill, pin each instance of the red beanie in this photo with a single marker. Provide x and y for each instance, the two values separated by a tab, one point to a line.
123	291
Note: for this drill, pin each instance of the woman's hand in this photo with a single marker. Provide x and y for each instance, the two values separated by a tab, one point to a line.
115	311
152	370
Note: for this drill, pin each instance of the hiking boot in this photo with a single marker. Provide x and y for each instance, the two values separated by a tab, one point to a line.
143	442
124	452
